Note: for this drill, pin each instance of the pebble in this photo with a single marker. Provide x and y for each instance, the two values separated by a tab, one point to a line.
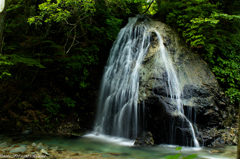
215	151
34	144
53	148
44	152
7	149
19	149
40	146
74	154
26	132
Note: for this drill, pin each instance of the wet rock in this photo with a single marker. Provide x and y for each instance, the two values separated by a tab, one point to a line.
145	139
53	148
203	101
26	132
219	142
68	128
215	151
7	149
34	144
4	144
44	152
74	154
60	149
20	149
40	146
214	137
77	133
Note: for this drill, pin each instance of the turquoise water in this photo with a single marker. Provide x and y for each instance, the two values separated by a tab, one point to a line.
121	148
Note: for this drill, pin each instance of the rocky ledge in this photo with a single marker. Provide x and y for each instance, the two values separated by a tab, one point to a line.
40	150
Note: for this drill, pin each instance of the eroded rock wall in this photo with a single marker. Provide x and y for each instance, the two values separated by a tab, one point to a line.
204	103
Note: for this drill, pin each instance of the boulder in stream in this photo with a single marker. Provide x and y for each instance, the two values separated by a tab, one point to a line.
145	139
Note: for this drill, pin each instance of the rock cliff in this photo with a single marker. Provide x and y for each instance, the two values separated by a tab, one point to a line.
204	104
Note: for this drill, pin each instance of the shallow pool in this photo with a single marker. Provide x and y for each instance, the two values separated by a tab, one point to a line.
119	147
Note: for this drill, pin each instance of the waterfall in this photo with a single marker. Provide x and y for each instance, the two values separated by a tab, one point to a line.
173	85
119	113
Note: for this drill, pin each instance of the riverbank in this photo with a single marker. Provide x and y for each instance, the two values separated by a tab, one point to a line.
37	145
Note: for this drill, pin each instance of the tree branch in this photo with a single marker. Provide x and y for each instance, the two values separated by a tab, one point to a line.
148	7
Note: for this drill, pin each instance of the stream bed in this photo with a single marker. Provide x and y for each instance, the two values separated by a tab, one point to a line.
102	146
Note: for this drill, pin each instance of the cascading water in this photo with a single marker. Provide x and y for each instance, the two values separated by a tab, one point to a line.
119	113
173	85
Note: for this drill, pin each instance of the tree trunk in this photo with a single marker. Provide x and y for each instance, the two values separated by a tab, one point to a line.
238	145
3	6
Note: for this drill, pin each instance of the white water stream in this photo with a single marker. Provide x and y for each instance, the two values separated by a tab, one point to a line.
173	85
118	109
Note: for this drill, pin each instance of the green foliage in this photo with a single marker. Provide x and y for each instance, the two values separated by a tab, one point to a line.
195	21
214	34
177	156
113	29
51	105
61	10
69	102
28	61
78	63
6	60
3	62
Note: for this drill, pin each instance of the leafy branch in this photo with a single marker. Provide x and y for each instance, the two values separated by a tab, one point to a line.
177	156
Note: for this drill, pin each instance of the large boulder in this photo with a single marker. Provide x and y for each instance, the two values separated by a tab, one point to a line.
204	104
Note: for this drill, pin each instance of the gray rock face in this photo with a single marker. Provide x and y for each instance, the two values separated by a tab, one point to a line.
203	101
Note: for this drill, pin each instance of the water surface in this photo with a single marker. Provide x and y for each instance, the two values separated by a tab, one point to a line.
118	147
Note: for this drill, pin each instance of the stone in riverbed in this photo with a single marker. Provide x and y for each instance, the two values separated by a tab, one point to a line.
4	144
44	152
19	149
145	139
74	154
7	149
53	148
215	151
40	146
34	144
77	133
26	132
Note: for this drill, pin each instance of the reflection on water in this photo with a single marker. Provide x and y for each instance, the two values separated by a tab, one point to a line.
119	147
